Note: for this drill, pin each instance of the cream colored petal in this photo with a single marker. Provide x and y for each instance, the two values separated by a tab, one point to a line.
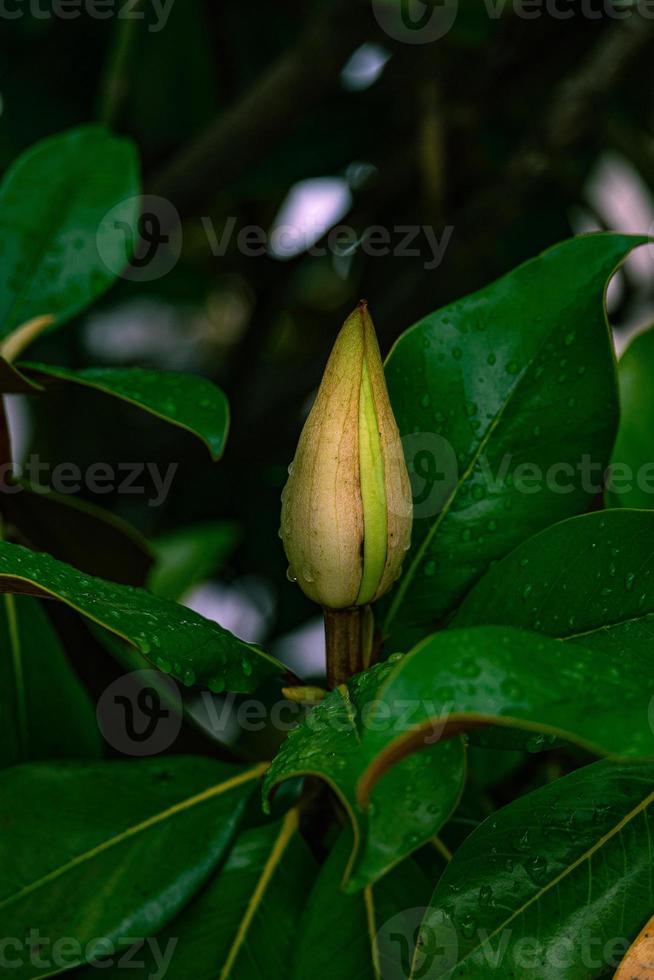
322	516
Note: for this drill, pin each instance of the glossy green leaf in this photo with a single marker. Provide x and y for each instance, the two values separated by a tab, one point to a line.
179	641
458	680
74	530
364	936
244	924
411	805
189	555
128	844
58	250
521	372
632	478
188	401
589	580
44	711
553	886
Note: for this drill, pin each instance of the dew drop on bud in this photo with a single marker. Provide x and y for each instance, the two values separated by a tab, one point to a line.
290	574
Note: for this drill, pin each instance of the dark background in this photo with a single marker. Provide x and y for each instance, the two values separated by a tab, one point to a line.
512	132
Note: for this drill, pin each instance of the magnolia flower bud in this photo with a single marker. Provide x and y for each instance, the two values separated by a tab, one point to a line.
346	508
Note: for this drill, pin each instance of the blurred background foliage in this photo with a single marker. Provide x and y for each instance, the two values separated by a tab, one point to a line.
513	133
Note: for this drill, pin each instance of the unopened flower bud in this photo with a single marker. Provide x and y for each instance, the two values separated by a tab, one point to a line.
346	508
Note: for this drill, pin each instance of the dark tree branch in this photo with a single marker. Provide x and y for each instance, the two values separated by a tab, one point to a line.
270	109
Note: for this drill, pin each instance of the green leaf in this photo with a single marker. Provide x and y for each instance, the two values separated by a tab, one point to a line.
589	580
551	886
188	401
91	538
407	810
44	711
244	924
179	641
462	679
188	555
58	252
632	479
265	884
359	937
506	376
128	844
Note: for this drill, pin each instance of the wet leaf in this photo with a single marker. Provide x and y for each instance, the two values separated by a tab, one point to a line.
44	711
463	680
130	865
552	885
179	641
411	805
59	253
519	373
187	401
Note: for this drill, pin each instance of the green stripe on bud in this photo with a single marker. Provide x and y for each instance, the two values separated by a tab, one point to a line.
346	508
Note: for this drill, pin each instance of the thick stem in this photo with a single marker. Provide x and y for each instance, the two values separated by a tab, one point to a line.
344	644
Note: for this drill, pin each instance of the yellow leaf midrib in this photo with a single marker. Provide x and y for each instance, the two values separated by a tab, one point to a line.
152	821
371	922
19	680
642	806
287	829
